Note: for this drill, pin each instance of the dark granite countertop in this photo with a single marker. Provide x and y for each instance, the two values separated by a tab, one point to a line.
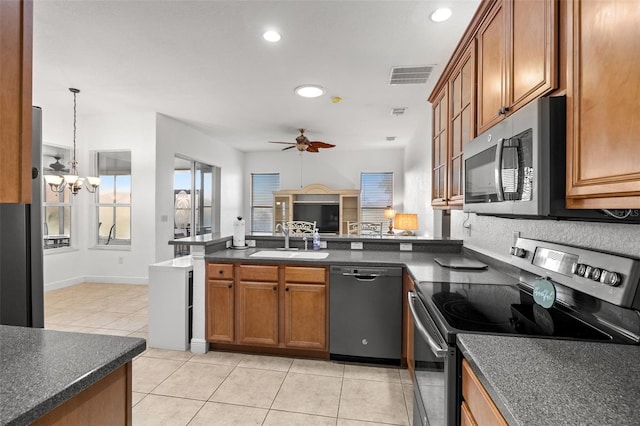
552	382
421	265
41	369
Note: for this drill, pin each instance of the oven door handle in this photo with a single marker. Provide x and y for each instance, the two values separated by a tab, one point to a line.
438	350
498	170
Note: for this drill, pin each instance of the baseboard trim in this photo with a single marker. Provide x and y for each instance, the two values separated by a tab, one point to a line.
94	279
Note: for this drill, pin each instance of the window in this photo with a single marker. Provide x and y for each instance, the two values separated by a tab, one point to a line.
56	206
376	194
114	198
262	187
195	186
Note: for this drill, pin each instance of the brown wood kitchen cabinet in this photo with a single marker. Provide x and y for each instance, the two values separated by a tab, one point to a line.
477	406
305	309
439	148
603	152
267	308
219	295
257	305
16	38
517	57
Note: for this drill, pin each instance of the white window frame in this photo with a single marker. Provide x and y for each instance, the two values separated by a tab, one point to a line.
265	202
373	203
112	241
65	200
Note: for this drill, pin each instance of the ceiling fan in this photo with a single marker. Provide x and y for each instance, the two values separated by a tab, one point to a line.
302	143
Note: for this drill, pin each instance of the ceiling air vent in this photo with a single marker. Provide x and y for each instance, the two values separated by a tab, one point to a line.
410	75
398	111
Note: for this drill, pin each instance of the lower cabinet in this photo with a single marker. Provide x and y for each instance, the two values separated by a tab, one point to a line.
276	306
305	308
407	323
477	406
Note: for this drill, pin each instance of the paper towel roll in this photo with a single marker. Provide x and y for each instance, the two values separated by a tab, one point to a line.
238	232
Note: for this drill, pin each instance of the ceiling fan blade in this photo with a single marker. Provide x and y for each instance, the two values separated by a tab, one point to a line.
318	144
312	148
288	143
289	147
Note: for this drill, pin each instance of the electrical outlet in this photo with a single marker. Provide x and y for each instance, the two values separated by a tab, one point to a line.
356	245
323	244
228	243
251	243
120	260
406	247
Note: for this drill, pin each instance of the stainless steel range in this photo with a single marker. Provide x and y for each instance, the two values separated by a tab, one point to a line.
563	292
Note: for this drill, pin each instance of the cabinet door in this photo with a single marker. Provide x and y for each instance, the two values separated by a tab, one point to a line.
349	211
305	324
282	209
462	127
603	152
219	311
16	36
491	73
439	153
532	52
258	313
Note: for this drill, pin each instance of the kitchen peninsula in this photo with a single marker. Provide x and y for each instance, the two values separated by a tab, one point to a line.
52	376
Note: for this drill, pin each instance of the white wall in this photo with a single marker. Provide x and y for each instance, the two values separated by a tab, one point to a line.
153	140
417	177
334	168
175	137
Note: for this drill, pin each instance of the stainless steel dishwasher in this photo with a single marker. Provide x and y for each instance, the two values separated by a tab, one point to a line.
365	313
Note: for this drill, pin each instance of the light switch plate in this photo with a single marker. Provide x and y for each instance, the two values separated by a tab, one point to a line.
356	245
251	243
406	247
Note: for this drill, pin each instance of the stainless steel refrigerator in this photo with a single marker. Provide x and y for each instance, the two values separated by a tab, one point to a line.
21	273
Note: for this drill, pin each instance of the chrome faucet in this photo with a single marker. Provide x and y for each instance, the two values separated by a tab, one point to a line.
285	230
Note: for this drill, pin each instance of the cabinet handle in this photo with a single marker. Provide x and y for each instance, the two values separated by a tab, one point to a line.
286	289
503	110
230	285
221	272
275	287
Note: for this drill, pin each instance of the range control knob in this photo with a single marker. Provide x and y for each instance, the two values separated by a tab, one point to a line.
588	271
596	273
610	278
579	269
517	252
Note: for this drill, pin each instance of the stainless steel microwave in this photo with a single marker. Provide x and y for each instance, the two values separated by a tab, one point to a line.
509	168
517	168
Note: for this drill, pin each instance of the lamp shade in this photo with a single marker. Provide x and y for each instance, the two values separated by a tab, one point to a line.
407	222
389	213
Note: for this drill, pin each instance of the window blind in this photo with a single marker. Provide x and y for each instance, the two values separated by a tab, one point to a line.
262	187
376	194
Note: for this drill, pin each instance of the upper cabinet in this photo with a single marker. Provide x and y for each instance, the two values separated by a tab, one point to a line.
16	39
517	57
603	120
507	57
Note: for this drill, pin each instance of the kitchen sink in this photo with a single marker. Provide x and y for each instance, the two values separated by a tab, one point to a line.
283	254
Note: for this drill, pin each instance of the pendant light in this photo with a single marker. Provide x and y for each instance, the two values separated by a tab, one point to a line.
73	181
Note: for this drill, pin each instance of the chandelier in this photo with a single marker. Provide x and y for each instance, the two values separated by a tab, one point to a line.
73	181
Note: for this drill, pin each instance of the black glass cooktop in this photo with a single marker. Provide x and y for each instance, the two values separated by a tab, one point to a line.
502	309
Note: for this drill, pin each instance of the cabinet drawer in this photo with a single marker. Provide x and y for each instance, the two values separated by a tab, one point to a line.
219	270
302	274
258	273
480	406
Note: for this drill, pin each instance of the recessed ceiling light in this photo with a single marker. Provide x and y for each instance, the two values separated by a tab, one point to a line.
309	91
271	36
441	14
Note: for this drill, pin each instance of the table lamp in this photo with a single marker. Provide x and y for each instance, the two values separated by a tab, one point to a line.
390	213
407	222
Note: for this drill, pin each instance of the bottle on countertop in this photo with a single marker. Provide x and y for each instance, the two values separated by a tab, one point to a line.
316	240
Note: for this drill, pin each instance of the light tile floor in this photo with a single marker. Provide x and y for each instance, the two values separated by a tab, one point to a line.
225	388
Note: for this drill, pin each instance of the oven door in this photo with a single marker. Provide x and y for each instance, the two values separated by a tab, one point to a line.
435	383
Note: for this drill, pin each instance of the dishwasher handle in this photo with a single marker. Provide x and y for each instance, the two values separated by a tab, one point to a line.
438	350
361	277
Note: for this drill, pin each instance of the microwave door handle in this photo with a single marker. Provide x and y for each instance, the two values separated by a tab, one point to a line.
439	351
498	169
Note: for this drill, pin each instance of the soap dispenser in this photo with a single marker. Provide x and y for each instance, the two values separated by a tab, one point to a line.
316	240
